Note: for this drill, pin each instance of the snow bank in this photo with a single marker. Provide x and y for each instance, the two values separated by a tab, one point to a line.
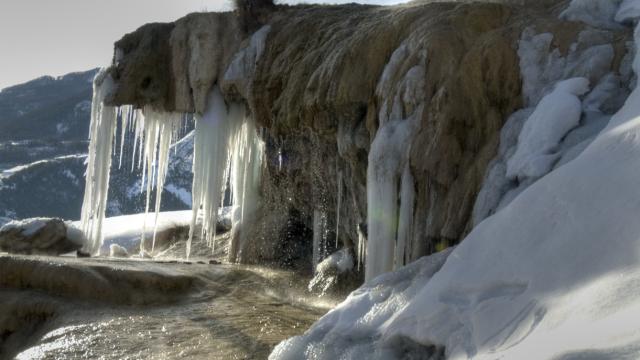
350	330
556	114
598	13
629	10
126	231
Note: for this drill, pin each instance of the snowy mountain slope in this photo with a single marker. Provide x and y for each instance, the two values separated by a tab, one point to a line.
54	187
553	275
43	138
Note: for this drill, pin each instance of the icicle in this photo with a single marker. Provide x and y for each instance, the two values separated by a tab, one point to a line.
387	161
405	222
101	137
338	205
210	163
319	237
126	113
246	167
362	245
160	130
227	147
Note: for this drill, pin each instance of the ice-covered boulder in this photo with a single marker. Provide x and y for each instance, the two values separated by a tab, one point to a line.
332	271
42	236
118	251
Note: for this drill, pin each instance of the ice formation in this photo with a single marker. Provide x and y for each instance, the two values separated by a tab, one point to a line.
227	147
160	130
385	172
246	167
319	237
390	185
555	275
101	134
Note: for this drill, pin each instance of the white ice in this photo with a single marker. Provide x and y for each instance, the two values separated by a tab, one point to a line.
101	136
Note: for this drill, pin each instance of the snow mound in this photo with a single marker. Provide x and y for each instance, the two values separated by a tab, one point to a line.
557	113
597	13
350	331
628	11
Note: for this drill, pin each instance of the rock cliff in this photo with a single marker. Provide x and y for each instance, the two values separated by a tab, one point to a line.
323	81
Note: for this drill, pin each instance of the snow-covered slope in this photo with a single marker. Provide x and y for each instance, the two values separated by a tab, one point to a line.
553	275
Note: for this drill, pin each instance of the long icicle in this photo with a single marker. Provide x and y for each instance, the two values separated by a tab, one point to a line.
101	136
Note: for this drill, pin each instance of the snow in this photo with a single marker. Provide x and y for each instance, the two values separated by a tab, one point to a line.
28	227
557	113
553	275
349	331
127	231
15	170
183	194
629	10
101	136
598	13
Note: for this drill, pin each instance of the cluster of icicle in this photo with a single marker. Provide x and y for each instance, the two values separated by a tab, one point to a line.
154	133
227	148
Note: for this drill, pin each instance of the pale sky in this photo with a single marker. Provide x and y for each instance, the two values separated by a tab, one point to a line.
56	37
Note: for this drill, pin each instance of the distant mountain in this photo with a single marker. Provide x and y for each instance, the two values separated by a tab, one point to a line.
47	108
44	125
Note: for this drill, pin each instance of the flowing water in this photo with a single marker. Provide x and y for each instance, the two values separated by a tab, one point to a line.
227	311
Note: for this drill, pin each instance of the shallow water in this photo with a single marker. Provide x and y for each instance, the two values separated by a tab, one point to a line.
232	312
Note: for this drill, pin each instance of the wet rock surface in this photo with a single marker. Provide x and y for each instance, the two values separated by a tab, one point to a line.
77	308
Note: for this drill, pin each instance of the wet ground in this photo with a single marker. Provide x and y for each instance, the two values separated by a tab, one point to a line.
68	308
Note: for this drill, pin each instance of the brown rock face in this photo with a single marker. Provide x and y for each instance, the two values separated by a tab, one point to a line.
324	81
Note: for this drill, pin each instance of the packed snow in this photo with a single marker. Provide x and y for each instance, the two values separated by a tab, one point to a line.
556	114
598	13
27	227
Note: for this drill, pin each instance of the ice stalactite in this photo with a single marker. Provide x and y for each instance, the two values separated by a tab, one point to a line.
387	169
319	237
338	207
101	135
390	183
227	147
246	167
404	245
161	129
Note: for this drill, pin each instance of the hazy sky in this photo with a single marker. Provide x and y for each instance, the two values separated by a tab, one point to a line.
55	37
